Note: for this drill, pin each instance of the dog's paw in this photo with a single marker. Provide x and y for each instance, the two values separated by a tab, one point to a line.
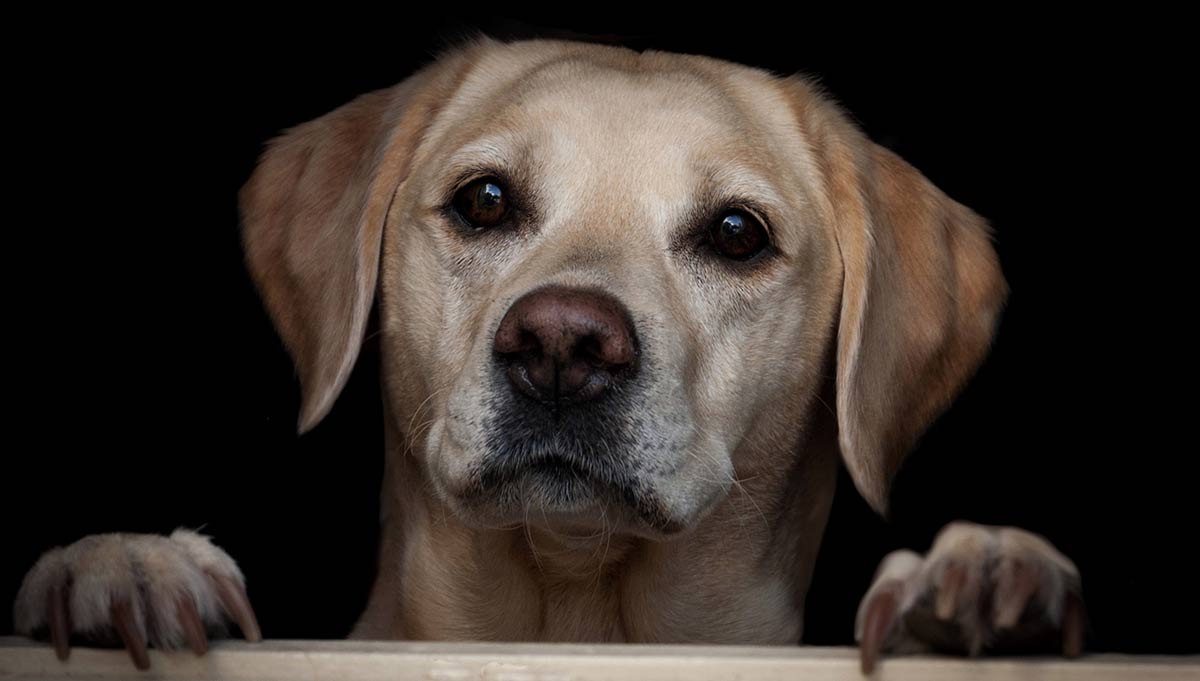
134	589
979	588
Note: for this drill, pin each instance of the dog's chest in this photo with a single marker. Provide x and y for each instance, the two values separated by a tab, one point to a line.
501	591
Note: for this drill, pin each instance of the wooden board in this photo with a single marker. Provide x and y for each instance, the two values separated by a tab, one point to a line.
401	661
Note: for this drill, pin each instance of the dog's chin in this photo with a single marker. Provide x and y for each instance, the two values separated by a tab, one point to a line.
563	498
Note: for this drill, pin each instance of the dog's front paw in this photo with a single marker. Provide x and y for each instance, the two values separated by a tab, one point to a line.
134	589
979	588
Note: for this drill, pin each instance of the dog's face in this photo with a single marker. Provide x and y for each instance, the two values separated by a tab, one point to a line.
611	274
611	284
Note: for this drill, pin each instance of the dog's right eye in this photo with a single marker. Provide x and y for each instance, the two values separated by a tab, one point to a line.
482	203
739	235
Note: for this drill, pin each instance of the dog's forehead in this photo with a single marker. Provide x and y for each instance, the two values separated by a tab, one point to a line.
602	99
596	87
634	137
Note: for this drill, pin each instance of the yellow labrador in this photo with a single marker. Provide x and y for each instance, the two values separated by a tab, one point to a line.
635	309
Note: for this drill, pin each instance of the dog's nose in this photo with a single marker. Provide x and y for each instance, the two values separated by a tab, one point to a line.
566	345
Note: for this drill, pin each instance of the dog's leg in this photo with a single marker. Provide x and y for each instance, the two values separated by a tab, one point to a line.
135	590
979	588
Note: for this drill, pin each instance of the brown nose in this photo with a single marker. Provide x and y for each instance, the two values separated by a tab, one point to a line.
566	345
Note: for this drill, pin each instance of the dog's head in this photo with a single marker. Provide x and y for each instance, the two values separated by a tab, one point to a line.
611	283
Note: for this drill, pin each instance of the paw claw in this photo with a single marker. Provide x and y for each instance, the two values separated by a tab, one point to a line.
950	589
127	628
237	605
877	624
1016	583
59	620
193	627
1073	626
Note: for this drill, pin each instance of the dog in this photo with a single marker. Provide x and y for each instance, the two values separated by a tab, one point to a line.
635	310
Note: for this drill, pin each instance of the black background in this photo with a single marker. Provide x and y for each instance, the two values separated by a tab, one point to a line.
146	389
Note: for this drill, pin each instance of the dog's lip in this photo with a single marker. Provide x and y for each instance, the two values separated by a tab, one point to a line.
558	466
601	478
594	497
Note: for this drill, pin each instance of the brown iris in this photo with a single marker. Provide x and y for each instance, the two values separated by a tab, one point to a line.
482	203
737	235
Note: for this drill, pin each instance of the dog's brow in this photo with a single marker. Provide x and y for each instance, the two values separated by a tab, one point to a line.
735	182
496	151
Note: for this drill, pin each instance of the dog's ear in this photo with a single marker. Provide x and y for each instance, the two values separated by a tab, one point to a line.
922	293
312	218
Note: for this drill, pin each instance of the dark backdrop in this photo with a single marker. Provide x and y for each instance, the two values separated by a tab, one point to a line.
147	390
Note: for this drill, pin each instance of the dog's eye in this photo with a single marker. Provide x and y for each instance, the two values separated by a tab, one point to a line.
737	235
482	203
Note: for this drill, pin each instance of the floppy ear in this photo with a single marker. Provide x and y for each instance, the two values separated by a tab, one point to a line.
922	293
312	223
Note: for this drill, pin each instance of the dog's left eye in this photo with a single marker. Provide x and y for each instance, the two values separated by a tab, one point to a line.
737	235
482	203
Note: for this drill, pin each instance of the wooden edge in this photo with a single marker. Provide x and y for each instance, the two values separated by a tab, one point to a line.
368	660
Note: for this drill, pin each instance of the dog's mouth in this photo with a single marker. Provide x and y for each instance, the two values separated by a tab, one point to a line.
555	482
558	468
560	492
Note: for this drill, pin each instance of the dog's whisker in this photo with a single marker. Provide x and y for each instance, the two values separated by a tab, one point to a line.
736	482
410	435
529	539
419	432
607	544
